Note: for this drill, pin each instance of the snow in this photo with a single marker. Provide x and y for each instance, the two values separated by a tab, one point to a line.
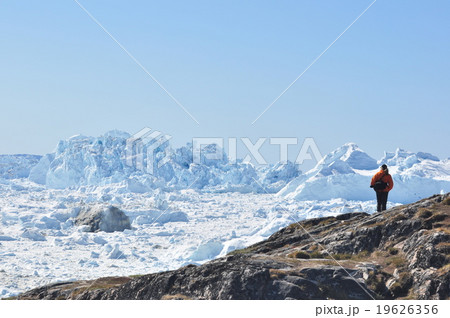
83	161
38	173
96	161
115	253
33	235
158	216
194	227
17	166
357	158
186	213
351	156
339	175
405	158
207	251
6	238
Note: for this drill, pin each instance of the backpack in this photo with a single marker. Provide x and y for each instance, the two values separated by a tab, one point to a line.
380	185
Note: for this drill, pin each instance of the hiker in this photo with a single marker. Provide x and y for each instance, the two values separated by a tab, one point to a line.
382	183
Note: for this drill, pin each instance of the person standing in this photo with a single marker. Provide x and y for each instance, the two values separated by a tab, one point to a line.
382	183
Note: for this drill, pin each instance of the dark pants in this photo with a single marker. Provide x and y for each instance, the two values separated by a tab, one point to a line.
381	200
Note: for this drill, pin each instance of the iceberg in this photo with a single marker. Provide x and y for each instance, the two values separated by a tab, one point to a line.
83	162
97	161
17	166
347	171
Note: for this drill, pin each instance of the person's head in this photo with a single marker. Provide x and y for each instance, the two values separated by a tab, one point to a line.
385	168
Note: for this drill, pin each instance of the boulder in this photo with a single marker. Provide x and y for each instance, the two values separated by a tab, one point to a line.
109	219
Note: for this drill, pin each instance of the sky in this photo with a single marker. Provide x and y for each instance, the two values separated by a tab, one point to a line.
383	84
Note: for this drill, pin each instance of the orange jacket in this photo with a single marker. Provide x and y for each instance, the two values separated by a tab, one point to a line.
380	175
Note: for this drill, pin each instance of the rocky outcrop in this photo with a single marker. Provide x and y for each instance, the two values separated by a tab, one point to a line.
99	218
402	253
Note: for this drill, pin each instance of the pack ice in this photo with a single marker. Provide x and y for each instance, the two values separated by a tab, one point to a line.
182	214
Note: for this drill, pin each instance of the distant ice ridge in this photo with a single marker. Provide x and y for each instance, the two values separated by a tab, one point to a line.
17	166
97	161
346	173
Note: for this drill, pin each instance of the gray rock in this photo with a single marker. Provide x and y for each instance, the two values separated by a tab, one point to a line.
108	219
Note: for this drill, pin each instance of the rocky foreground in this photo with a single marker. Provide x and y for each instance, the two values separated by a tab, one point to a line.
402	253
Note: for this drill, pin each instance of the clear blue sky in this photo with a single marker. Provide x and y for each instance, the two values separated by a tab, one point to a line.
384	84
